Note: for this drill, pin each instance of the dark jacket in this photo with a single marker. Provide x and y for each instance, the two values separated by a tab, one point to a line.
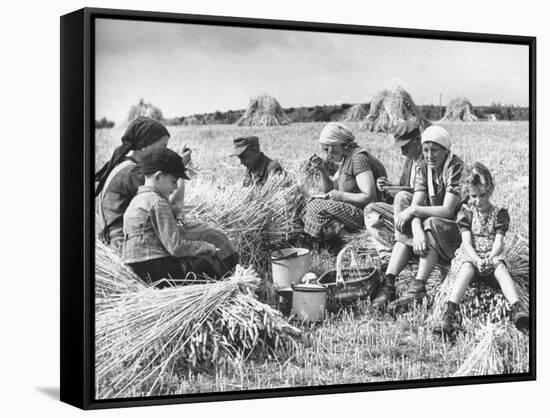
258	174
116	198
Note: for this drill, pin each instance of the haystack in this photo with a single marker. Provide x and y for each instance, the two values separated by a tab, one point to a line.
390	107
460	109
263	110
145	109
358	112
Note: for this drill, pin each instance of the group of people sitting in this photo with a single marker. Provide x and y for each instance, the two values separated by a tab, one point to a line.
438	207
427	214
140	195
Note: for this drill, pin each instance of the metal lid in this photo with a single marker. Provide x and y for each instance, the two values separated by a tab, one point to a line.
308	287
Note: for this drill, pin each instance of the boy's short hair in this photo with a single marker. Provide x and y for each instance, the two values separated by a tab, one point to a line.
165	160
480	176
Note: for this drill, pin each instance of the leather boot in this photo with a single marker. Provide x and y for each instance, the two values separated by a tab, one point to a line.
519	316
415	293
450	320
385	294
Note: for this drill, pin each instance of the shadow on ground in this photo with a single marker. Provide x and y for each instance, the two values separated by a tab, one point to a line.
52	392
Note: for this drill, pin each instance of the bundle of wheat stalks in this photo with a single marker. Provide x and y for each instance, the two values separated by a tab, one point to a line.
257	219
263	110
501	349
484	302
357	112
388	108
148	337
112	277
460	109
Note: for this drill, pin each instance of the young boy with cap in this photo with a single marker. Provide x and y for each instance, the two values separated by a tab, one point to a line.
258	165
154	244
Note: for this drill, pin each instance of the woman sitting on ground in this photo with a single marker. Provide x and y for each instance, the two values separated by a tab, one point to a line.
119	179
425	222
340	207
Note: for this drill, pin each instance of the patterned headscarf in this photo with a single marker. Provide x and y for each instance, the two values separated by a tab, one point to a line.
141	132
336	134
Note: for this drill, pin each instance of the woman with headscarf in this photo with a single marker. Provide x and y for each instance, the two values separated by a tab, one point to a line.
121	177
346	193
425	222
118	180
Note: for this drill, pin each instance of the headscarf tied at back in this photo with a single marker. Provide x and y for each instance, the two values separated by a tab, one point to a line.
336	134
141	132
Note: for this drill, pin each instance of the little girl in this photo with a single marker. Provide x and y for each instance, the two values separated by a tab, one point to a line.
483	227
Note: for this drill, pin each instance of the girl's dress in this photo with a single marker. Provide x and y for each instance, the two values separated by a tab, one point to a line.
484	230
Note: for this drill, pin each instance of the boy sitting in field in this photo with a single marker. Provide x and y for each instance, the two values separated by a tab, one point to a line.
483	226
153	243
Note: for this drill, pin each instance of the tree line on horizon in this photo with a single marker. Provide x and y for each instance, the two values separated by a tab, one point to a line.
327	113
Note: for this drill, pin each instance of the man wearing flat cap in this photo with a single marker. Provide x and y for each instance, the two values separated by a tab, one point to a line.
379	215
258	165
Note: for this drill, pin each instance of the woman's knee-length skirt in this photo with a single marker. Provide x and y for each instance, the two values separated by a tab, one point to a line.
324	219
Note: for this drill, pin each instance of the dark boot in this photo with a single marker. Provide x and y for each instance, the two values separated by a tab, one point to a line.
450	320
386	292
415	293
519	316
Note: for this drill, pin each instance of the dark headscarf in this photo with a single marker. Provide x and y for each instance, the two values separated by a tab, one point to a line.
141	132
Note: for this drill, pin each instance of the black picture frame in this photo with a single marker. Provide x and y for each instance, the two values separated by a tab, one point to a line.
77	208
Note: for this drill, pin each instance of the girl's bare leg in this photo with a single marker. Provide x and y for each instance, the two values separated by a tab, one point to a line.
465	275
506	283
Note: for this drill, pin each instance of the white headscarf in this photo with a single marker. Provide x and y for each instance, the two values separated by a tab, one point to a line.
438	135
336	134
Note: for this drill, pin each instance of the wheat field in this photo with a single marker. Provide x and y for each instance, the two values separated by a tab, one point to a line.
360	346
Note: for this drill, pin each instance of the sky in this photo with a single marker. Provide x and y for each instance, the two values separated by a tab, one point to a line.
185	69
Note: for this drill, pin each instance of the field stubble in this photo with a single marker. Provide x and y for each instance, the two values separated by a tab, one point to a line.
361	346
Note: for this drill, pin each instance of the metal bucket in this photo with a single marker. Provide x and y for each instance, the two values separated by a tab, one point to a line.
289	265
309	302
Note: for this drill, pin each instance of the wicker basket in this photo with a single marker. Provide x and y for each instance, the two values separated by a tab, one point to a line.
357	277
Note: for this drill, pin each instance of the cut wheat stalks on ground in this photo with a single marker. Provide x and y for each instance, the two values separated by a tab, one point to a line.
112	277
500	350
257	219
150	335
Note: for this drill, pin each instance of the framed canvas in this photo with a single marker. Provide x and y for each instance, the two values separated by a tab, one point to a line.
256	208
